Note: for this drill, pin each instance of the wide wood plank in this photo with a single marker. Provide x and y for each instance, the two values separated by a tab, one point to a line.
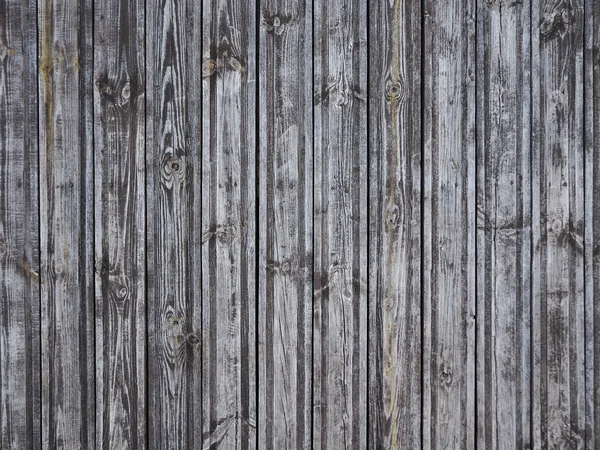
119	168
20	413
285	224
340	221
395	225
449	225
174	205
229	224
503	225
591	99
557	215
66	218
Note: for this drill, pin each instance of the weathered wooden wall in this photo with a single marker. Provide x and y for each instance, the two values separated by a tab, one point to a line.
240	224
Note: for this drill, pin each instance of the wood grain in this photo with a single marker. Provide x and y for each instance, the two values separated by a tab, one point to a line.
395	220
119	169
285	225
449	226
340	221
503	225
557	214
20	413
229	219
591	103
66	218
173	176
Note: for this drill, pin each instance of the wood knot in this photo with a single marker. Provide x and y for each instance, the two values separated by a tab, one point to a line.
276	24
394	90
393	216
208	68
193	339
557	21
445	375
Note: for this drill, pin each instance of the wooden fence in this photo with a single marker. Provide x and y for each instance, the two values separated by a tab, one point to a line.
286	224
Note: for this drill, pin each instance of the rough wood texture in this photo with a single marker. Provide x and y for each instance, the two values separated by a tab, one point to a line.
229	224
173	170
394	225
340	221
66	218
449	225
20	413
503	226
557	214
591	99
119	158
299	224
285	224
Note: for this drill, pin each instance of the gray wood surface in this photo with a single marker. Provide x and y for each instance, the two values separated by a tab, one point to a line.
558	413
239	224
66	223
229	222
591	102
449	225
340	221
20	413
285	224
503	226
173	174
394	225
119	208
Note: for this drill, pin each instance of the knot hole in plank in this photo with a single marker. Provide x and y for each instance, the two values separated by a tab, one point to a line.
394	90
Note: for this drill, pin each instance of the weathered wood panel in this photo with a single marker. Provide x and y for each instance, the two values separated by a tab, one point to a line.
66	218
591	99
173	176
340	221
119	169
503	225
20	413
557	215
449	225
394	225
285	224
229	224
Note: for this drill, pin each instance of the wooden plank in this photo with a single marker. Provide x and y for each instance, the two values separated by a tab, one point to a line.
20	412
557	217
66	218
503	225
174	205
591	99
119	201
285	224
449	225
229	224
395	220
340	221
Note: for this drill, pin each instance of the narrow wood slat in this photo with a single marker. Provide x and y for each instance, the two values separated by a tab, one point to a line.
20	413
340	221
591	99
557	215
229	224
66	218
449	225
119	211
285	225
174	208
395	225
503	225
